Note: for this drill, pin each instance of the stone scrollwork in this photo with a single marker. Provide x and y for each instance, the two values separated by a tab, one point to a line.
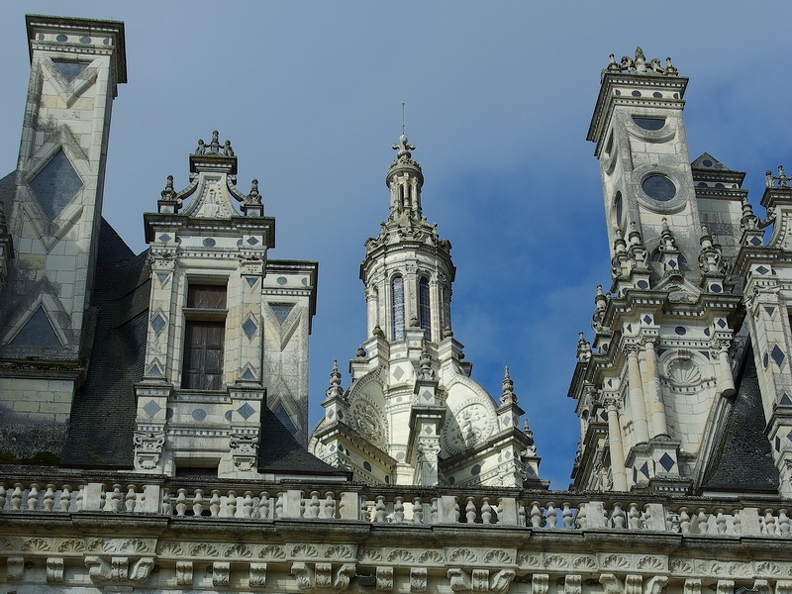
257	577
480	580
244	450
418	579
54	569
118	569
148	449
318	577
384	579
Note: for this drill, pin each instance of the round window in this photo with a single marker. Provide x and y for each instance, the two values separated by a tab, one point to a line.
659	187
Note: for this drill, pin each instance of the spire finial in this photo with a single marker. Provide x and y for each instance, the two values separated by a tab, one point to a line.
403	118
403	147
335	390
507	385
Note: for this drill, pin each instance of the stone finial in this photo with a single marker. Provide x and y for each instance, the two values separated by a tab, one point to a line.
640	65
600	305
335	391
508	396
377	331
583	348
749	220
667	237
425	363
254	197
529	434
214	146
360	353
711	256
168	193
781	178
403	147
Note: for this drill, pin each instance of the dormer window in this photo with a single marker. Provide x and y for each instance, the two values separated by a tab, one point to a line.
204	337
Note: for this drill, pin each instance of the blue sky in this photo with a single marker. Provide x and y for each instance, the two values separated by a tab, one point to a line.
499	96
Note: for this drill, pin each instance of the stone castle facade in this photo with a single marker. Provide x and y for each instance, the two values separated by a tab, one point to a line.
153	407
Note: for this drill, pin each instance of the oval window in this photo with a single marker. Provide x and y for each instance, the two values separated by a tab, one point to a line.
659	187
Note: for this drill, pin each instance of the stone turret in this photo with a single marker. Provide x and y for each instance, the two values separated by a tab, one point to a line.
412	414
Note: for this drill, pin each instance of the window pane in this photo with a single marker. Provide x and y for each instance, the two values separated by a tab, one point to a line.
203	355
206	296
424	306
397	309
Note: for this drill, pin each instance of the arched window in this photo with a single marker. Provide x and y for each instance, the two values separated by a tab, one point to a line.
397	307
424	307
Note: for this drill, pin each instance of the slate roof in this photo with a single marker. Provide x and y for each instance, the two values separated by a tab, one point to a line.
280	452
103	412
742	461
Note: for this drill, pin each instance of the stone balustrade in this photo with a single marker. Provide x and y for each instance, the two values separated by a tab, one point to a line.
536	510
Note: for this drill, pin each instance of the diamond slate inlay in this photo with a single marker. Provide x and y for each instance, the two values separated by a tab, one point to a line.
785	399
755	241
398	373
164	238
158	323
647	319
152	408
69	69
245	411
252	240
777	355
762	270
769	309
249	328
666	462
56	184
721	322
645	470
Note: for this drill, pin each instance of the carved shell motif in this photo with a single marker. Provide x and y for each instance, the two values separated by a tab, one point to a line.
370	555
528	560
272	552
35	544
238	550
400	556
170	548
71	545
462	556
680	566
615	561
683	371
585	562
555	561
498	557
650	563
339	552
767	568
304	551
132	545
431	558
204	550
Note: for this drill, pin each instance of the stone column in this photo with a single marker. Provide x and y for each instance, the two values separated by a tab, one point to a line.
616	446
637	404
725	379
656	408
